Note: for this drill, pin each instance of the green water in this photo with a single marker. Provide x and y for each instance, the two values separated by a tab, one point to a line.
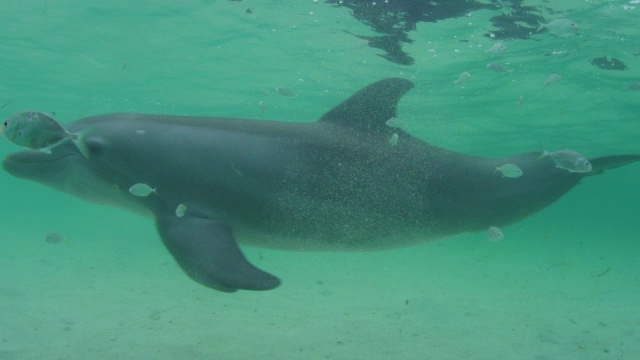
563	284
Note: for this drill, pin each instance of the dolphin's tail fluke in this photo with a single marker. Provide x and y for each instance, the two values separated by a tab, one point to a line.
603	163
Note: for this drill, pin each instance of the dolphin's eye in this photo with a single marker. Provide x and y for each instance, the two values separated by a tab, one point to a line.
6	123
95	145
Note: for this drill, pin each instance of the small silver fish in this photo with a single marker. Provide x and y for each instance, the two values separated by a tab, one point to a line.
141	190
39	131
494	234
560	27
497	49
285	91
634	86
181	210
497	67
509	170
53	238
552	80
462	79
393	141
569	160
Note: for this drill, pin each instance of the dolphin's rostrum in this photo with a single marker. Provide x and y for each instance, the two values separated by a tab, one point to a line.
334	184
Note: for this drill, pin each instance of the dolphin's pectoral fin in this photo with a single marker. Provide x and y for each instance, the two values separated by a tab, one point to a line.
611	162
207	251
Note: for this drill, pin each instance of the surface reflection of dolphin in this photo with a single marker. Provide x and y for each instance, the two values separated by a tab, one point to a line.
335	184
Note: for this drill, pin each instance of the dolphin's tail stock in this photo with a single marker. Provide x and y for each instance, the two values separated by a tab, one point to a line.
603	163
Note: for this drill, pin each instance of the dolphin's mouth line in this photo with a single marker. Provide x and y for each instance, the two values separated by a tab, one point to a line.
35	157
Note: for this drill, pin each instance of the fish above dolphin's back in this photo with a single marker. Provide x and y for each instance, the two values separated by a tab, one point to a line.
334	184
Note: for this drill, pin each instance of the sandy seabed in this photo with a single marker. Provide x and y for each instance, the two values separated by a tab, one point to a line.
527	297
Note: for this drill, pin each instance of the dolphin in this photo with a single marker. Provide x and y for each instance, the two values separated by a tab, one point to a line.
334	184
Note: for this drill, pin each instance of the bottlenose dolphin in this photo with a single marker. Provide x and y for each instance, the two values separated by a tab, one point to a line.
334	184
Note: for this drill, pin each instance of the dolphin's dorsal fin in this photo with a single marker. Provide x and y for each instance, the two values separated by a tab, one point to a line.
371	107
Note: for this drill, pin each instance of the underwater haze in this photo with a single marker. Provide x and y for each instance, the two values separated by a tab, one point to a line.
82	281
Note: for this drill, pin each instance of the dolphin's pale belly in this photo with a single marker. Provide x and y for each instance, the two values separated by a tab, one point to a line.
356	240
